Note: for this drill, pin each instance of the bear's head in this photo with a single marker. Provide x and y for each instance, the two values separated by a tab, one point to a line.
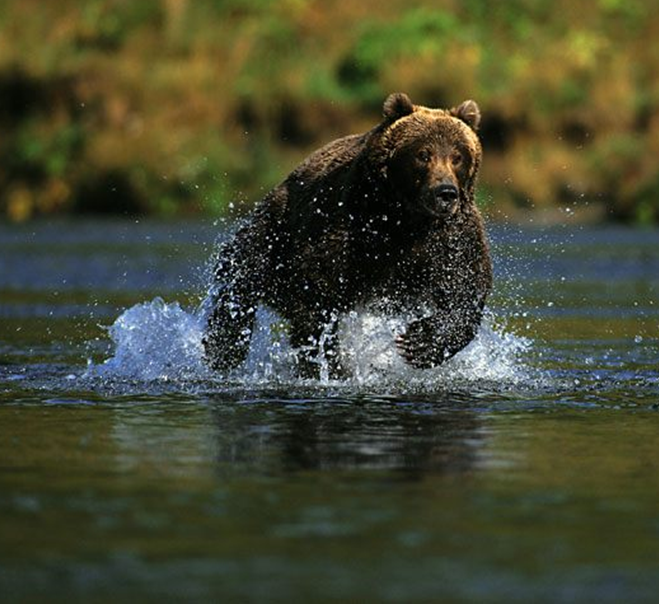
429	157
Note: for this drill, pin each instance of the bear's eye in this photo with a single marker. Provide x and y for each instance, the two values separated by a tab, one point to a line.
424	156
456	158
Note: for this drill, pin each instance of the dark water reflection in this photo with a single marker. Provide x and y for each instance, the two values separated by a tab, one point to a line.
542	489
406	438
270	498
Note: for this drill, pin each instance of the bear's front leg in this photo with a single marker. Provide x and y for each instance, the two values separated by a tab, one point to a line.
228	332
431	341
316	343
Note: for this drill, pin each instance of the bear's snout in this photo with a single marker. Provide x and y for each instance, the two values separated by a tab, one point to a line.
443	200
446	194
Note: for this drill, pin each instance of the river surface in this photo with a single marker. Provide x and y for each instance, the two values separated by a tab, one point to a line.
525	470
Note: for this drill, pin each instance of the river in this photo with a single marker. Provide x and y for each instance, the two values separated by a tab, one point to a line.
526	469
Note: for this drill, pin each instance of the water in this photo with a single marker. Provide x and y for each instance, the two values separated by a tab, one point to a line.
524	470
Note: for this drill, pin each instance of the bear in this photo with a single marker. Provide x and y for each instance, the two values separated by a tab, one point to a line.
385	219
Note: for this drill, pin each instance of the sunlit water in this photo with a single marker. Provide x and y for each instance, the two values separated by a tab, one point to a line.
525	469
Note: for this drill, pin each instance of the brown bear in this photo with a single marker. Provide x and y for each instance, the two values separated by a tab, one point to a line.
386	219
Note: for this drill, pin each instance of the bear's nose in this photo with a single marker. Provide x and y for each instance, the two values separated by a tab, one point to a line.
447	193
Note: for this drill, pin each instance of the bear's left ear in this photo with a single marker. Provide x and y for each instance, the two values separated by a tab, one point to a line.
469	113
396	106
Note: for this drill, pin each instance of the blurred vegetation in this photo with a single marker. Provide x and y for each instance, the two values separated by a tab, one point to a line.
179	106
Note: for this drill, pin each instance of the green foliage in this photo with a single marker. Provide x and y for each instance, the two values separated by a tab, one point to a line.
51	152
193	105
107	25
418	32
646	206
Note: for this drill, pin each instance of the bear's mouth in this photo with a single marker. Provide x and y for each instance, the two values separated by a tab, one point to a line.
439	207
441	211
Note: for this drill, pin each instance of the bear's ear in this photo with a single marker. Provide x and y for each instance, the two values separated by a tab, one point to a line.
396	106
469	113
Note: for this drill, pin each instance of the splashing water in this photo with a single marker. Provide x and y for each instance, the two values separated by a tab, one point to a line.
367	339
157	341
154	341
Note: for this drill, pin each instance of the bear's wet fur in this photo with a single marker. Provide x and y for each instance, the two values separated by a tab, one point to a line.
384	219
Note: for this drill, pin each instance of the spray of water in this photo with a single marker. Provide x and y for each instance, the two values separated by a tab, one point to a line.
157	341
154	341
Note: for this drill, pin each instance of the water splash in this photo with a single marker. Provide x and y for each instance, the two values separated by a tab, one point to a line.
161	342
154	341
493	357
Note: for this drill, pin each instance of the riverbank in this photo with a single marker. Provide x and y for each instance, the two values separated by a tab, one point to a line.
178	108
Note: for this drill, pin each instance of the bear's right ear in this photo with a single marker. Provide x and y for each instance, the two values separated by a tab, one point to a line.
396	106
